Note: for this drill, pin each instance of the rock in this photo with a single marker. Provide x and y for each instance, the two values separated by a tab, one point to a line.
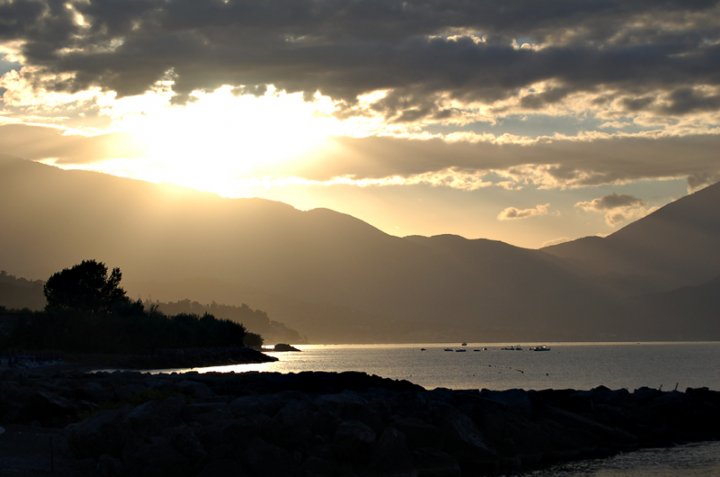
353	406
184	440
265	459
391	454
418	432
283	347
108	466
316	424
222	468
353	441
156	458
101	433
316	467
435	463
195	389
156	414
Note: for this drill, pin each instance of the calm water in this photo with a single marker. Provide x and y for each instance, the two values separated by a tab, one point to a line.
691	460
566	365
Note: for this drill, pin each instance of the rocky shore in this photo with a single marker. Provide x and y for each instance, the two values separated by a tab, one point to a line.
322	424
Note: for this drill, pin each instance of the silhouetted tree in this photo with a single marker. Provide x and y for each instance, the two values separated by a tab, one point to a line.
85	287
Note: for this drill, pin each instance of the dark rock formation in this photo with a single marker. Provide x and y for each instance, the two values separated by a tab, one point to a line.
315	424
284	347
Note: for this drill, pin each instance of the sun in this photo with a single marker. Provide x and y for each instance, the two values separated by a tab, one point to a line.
219	139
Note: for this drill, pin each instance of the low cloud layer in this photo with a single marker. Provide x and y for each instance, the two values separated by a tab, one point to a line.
427	55
371	162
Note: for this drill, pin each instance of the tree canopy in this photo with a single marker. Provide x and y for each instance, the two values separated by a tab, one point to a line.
85	287
88	311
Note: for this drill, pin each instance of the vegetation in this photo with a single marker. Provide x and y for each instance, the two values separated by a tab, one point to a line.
88	311
86	287
256	320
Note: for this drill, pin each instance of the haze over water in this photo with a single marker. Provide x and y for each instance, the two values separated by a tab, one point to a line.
566	365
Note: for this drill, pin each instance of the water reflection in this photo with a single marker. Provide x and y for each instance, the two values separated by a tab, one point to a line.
567	365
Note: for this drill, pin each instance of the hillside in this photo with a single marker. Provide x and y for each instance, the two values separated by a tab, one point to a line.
331	276
19	293
675	246
691	312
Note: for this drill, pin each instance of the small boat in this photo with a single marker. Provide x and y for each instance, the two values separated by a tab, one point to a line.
512	348
540	348
463	344
448	349
422	349
460	350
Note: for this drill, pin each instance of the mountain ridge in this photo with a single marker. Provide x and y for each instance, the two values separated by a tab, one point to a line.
329	275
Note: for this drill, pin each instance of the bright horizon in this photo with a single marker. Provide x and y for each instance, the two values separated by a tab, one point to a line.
520	125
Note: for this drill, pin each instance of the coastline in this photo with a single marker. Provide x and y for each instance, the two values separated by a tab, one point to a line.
59	362
350	423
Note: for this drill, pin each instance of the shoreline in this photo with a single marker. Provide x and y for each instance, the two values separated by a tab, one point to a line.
350	423
61	362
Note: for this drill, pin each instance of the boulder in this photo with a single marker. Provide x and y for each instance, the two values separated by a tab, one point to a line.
353	441
391	454
431	462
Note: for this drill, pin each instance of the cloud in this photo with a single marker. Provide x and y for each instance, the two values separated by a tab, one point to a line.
513	213
426	54
556	164
611	201
377	161
617	208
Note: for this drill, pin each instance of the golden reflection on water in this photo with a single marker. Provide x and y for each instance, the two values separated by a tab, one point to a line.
486	365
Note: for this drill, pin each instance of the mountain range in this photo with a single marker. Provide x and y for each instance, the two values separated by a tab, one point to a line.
335	278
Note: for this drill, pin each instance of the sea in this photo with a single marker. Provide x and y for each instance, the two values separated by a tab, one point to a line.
499	366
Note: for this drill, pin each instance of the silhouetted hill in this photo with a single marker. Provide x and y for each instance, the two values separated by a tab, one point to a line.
326	274
19	293
691	312
256	321
674	246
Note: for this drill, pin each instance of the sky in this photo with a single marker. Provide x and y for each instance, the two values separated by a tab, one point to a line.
523	121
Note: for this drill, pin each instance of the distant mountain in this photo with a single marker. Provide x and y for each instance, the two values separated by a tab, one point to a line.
691	312
19	293
326	274
256	321
675	246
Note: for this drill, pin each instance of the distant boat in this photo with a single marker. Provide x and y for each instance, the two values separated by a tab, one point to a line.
422	349
512	348
460	350
448	349
463	344
540	348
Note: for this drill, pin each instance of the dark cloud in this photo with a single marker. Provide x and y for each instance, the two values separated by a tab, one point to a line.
347	47
686	100
614	201
567	163
618	208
